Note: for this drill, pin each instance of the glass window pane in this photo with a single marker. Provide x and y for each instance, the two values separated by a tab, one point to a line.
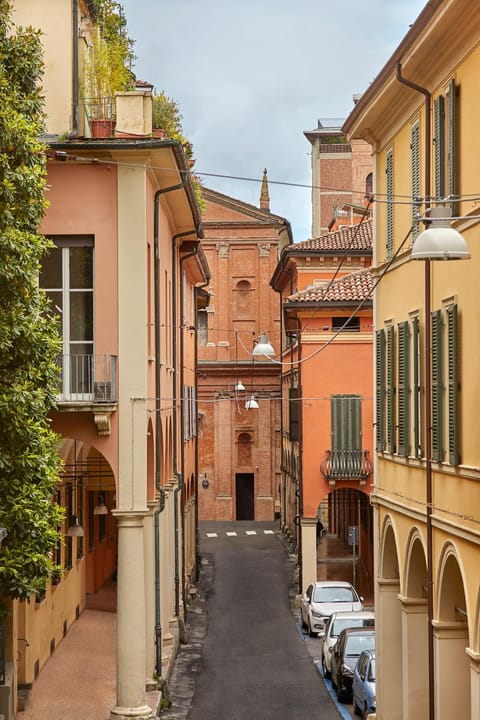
56	307
51	270
81	267
81	316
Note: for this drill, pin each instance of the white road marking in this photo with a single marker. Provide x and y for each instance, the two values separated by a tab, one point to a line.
212	535
231	534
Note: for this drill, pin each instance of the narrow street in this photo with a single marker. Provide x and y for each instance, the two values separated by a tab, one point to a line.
252	662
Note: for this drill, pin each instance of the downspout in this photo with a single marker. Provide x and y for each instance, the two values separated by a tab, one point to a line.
75	67
158	425
300	464
176	471
428	405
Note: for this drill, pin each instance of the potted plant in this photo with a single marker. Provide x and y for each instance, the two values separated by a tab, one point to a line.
107	66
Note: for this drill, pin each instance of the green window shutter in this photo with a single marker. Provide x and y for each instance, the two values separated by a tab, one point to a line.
437	387
389	189
439	156
403	389
453	435
417	397
452	135
380	387
415	175
390	390
346	425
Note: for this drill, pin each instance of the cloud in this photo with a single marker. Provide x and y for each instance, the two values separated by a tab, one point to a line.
250	77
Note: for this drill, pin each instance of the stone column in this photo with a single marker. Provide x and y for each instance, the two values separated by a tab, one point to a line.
309	551
389	651
130	619
452	670
474	682
415	658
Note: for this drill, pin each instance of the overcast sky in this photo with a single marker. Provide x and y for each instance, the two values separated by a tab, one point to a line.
250	76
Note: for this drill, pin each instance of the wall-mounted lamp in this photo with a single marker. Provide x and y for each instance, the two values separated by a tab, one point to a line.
205	482
263	348
251	403
74	527
440	241
239	387
100	508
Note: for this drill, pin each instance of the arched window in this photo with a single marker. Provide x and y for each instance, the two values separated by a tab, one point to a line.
243	294
244	450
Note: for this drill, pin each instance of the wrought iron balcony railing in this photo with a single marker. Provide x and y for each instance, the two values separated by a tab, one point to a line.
346	465
88	378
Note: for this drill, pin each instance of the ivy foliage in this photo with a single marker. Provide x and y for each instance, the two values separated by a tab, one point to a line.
29	341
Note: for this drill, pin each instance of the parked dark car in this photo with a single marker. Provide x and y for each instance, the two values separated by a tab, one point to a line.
346	651
364	699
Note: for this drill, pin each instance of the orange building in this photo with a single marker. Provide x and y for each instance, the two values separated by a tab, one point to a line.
327	386
239	448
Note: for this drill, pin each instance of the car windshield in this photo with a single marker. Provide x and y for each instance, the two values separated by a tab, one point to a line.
340	624
371	671
334	594
357	643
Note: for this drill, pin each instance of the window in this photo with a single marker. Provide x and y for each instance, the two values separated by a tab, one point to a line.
390	389
346	425
452	341
344	323
445	142
380	390
67	278
403	389
389	194
437	386
294	413
202	327
417	396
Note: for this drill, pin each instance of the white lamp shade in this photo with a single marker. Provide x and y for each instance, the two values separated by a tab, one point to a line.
440	241
239	387
263	348
100	508
251	403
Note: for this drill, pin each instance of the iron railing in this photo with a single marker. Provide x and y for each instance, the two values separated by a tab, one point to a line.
346	465
88	378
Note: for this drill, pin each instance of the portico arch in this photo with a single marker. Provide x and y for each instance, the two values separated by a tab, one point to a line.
451	640
415	630
388	622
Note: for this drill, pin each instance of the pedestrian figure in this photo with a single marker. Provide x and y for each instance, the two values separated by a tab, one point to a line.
320	530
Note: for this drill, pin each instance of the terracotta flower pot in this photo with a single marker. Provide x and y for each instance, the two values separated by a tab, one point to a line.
103	128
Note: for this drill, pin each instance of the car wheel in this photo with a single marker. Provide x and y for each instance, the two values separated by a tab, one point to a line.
310	631
339	693
326	673
302	621
334	684
356	709
365	714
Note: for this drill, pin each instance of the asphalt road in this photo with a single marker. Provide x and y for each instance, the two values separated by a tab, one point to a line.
245	657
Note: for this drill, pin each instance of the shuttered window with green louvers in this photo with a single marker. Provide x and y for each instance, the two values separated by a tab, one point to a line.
346	423
439	145
389	193
437	387
417	392
415	175
453	379
445	110
294	414
403	389
390	388
380	387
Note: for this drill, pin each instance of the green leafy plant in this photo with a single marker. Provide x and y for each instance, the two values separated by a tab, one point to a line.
29	341
108	61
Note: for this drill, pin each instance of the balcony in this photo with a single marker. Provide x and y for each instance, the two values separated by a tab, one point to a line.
89	383
346	465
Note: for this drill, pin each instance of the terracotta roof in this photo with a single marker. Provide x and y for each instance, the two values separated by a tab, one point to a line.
350	288
349	237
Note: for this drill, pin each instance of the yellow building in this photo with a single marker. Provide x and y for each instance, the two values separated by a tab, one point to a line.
420	115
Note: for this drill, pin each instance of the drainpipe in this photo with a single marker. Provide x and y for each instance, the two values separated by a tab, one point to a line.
75	68
428	406
160	490
179	473
299	492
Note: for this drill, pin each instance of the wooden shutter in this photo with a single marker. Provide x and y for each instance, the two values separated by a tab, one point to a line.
417	397
346	427
403	389
439	140
452	135
389	189
415	173
390	390
453	435
437	387
380	390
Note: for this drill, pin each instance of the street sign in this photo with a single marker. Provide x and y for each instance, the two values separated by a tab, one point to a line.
353	534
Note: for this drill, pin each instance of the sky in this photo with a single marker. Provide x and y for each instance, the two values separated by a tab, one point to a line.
251	76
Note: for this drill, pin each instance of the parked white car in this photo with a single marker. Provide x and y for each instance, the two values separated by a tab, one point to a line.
322	598
336	623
